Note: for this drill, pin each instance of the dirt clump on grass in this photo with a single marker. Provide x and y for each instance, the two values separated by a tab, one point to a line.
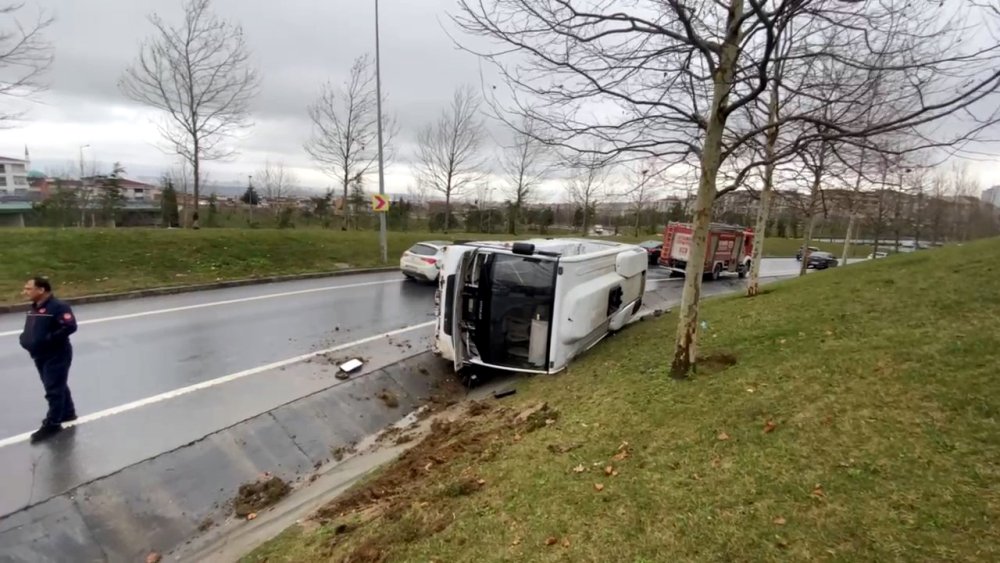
714	363
256	496
388	398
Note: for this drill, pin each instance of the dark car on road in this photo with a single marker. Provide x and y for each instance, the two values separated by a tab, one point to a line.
809	250
822	260
653	249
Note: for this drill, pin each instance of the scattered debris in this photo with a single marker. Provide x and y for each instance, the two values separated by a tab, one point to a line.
779	521
609	470
598	487
722	436
769	426
388	398
536	416
551	540
351	365
565	542
559	448
253	497
463	487
154	557
623	452
501	393
579	469
818	492
342	375
477	408
403	439
206	524
340	452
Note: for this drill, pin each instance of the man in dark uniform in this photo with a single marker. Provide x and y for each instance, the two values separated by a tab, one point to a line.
46	337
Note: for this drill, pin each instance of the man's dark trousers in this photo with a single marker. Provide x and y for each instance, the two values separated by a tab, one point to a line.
53	368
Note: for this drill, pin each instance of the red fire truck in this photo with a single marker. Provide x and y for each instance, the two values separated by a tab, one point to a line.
729	249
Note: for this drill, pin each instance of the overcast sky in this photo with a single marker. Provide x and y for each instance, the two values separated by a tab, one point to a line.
297	44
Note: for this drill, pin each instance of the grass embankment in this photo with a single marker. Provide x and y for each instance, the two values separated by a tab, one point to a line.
860	422
89	261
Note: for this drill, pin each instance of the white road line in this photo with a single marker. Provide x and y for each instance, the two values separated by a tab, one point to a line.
218	303
217	381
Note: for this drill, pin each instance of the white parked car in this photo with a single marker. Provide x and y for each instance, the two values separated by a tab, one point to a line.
877	255
422	262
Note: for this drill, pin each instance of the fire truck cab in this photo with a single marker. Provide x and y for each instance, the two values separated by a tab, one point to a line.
729	249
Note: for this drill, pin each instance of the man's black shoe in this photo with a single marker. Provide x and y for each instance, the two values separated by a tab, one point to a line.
70	418
44	433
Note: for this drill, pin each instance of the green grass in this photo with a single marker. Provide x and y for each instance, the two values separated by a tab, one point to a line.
89	261
881	381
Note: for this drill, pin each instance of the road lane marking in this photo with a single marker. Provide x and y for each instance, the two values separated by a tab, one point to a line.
217	381
219	303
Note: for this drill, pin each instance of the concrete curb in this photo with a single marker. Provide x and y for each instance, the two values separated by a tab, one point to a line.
178	289
160	503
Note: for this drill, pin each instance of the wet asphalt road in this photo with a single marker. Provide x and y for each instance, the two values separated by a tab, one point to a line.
118	361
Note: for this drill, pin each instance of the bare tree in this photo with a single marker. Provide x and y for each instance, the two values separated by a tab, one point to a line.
449	150
644	181
587	187
200	75
345	126
25	55
274	180
525	163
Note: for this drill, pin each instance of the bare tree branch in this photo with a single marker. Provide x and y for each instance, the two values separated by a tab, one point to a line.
25	55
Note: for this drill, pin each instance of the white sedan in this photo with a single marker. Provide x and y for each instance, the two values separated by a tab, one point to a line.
423	260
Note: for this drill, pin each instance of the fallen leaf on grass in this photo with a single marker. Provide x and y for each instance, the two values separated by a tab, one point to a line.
609	470
818	491
623	452
481	482
722	436
517	437
551	540
779	521
598	487
614	473
579	469
769	426
750	390
516	541
566	542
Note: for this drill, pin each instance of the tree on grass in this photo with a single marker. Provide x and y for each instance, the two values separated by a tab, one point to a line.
199	74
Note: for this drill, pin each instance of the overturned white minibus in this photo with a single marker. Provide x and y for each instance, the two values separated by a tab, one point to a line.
532	306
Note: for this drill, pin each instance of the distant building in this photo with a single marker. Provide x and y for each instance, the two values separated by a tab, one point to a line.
13	177
992	196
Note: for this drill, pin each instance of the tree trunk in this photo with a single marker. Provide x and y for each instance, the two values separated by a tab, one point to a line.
811	216
447	209
760	230
685	349
196	165
345	222
847	237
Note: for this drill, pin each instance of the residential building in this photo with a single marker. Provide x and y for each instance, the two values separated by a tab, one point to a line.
992	196
13	177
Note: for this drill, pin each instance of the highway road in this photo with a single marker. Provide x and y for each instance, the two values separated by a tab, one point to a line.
130	350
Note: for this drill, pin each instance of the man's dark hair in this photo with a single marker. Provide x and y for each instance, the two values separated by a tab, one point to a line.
42	283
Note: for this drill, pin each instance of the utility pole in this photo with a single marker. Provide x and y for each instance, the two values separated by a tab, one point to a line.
250	196
383	242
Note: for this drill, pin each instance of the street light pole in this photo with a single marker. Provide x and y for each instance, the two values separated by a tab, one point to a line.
81	161
383	242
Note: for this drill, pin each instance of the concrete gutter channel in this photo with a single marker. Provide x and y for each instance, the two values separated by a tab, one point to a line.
162	503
